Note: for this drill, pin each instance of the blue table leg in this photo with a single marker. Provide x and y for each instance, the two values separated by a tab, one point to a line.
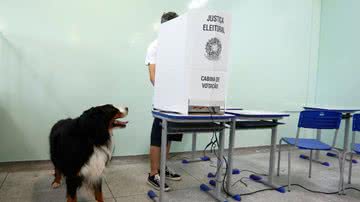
324	163
152	195
193	149
347	118
269	181
259	179
216	193
211	192
330	154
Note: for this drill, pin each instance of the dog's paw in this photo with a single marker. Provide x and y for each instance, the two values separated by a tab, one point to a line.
55	185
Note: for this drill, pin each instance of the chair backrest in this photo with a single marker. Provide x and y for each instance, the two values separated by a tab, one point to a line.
319	119
356	122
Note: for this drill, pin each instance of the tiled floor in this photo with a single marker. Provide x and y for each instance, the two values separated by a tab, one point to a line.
125	180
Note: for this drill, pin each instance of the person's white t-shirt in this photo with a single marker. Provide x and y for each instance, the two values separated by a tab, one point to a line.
151	53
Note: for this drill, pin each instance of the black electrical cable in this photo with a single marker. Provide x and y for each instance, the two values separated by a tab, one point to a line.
241	180
214	139
226	165
217	156
271	189
299	185
253	172
262	190
223	182
313	191
353	188
209	145
214	143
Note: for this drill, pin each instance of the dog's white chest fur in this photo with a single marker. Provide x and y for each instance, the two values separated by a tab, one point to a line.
93	169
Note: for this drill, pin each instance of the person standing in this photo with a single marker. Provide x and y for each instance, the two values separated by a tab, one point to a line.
155	143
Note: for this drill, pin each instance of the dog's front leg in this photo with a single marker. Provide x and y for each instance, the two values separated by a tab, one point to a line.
57	181
72	184
70	199
98	191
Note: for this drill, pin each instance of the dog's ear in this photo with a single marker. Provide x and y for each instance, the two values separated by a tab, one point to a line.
92	123
108	111
100	133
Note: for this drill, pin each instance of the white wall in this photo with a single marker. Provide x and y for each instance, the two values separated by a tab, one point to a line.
58	58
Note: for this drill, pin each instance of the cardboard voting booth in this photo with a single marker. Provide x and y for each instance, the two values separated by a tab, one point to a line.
192	59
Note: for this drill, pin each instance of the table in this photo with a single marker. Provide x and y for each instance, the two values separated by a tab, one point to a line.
250	120
346	114
177	123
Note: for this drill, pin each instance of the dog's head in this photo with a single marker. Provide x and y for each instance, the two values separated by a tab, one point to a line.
99	121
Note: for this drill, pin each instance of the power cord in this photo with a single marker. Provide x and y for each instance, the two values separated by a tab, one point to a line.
214	142
241	180
223	182
253	172
352	188
262	190
301	186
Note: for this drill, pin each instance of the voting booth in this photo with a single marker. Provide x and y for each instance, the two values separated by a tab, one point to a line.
192	62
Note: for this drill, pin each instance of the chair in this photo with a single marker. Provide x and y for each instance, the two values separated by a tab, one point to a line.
313	120
355	148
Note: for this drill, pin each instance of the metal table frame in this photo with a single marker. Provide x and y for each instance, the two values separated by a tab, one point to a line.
246	115
176	118
347	114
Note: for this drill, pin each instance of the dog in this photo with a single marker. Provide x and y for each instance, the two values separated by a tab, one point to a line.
80	148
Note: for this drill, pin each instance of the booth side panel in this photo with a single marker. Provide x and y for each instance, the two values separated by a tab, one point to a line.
170	90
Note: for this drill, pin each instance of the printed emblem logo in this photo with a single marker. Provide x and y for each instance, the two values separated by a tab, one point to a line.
213	49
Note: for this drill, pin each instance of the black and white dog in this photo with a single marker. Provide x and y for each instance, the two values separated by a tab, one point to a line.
80	148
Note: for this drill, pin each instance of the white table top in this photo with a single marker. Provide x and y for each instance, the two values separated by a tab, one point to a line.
192	117
257	114
332	108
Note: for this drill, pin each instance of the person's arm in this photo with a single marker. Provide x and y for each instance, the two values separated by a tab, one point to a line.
152	73
150	60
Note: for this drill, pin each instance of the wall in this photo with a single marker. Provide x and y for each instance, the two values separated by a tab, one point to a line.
59	58
339	61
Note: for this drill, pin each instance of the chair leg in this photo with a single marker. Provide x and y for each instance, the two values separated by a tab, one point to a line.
310	160
350	167
289	170
279	154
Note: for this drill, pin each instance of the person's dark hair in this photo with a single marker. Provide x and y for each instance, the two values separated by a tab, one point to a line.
168	16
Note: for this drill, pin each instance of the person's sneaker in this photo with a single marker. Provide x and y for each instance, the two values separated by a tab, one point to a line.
154	181
172	175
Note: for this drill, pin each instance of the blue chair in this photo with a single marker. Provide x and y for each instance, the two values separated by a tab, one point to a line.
355	148
313	120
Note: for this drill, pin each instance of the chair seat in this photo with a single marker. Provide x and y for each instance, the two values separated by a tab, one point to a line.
309	144
357	148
